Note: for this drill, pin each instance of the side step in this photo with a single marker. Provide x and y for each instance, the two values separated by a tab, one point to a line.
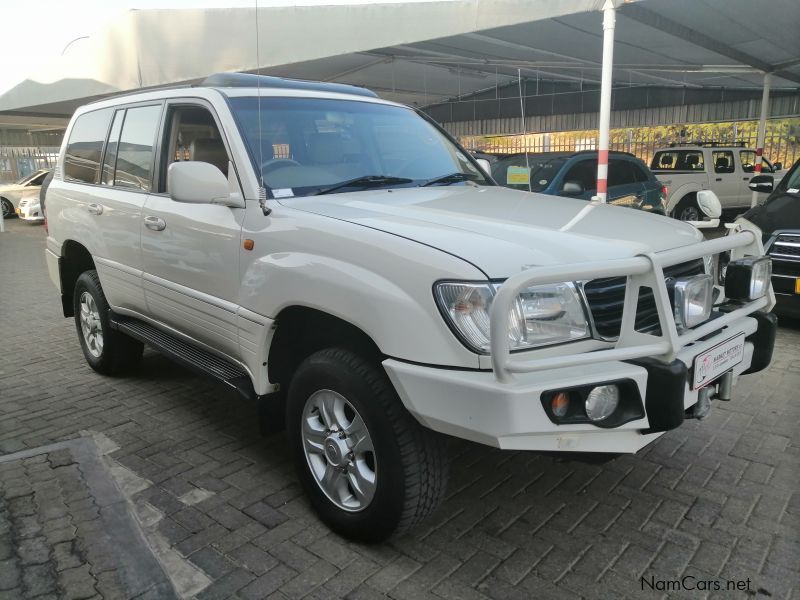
187	354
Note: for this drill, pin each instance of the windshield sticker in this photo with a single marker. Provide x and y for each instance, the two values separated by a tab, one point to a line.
283	193
518	175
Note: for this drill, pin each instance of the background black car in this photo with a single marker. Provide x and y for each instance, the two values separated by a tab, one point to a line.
779	220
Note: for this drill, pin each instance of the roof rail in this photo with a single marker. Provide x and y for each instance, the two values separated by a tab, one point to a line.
267	81
710	144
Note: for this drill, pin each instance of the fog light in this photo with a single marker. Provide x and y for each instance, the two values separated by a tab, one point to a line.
692	304
560	404
601	402
748	278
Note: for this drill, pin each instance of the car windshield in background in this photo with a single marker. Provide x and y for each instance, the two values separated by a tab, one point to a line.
305	146
27	178
512	171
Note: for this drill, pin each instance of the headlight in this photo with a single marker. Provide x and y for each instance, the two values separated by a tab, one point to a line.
748	278
693	301
542	315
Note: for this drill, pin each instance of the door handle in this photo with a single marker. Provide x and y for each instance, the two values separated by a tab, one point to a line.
745	178
719	179
95	209
155	223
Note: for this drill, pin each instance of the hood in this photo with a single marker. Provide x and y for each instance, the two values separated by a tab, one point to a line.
780	211
503	231
11	187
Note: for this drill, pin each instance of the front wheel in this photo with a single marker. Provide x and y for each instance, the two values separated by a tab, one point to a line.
7	207
107	351
369	468
687	209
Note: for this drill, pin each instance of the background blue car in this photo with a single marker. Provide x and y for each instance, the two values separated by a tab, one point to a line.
574	174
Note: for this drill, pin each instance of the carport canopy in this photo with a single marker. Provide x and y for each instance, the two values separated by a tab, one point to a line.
423	53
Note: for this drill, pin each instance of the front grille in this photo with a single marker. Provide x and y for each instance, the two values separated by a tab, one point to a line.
606	297
787	245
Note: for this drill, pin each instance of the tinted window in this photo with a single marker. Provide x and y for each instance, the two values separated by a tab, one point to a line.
110	160
583	172
620	172
639	171
678	160
136	148
82	157
723	161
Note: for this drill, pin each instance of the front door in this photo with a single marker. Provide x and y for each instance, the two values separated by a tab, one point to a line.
190	252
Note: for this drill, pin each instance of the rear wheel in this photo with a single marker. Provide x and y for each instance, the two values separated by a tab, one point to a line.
369	468
687	209
107	351
7	207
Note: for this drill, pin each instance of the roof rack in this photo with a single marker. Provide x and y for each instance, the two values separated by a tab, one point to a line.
709	144
252	80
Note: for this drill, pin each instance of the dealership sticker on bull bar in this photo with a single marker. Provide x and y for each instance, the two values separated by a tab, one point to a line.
283	193
721	358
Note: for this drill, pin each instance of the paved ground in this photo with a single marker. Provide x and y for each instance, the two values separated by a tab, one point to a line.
222	509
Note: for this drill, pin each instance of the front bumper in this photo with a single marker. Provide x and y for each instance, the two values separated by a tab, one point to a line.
30	213
472	405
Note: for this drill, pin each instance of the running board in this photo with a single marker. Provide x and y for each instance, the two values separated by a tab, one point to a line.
186	354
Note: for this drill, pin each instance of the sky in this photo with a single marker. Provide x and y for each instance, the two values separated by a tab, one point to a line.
33	37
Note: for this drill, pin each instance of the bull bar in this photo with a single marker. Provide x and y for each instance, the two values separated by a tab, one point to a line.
644	270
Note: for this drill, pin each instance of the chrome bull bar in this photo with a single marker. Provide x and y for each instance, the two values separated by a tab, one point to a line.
645	270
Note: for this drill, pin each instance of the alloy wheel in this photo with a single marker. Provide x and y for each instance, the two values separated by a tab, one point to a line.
91	326
339	450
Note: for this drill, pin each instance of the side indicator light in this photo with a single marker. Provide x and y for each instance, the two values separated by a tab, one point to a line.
248	244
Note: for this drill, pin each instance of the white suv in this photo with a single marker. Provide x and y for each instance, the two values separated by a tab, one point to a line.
345	262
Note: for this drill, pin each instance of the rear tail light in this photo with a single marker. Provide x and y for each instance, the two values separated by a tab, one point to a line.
664	191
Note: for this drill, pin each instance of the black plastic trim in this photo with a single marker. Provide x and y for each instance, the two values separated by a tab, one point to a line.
763	341
629	408
187	354
666	386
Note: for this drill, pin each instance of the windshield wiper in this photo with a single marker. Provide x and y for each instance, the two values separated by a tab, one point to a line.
364	182
451	178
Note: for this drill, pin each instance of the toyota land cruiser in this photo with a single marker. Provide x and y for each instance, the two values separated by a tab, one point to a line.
342	260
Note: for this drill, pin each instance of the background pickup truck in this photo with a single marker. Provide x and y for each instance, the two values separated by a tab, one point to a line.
726	170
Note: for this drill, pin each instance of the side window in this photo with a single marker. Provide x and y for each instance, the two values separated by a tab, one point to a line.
37	180
620	172
640	172
192	134
723	161
748	158
136	148
82	156
110	159
583	172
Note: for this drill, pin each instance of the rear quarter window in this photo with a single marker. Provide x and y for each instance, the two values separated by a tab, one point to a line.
85	145
678	160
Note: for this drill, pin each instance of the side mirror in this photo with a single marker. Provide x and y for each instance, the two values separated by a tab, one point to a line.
198	182
777	166
709	203
572	188
485	165
762	183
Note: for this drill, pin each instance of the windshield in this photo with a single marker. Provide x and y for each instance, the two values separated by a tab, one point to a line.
512	171
791	181
28	178
308	145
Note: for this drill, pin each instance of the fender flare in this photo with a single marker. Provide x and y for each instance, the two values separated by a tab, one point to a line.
680	193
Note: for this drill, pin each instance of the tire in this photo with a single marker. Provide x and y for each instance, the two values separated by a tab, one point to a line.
687	209
7	208
408	463
113	352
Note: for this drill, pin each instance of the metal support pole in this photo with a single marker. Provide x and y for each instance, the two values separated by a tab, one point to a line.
762	131
609	20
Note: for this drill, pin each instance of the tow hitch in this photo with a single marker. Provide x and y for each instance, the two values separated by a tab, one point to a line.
706	395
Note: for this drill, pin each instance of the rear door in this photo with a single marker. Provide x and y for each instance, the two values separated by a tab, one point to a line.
726	178
624	189
103	206
191	251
